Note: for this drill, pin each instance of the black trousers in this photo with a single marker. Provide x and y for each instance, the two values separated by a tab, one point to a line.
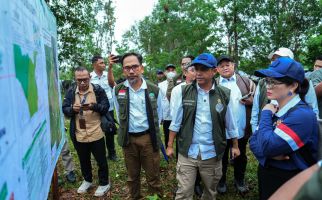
84	151
109	139
166	124
240	162
271	178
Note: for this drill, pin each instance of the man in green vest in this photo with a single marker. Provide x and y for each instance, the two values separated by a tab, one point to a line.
137	104
202	113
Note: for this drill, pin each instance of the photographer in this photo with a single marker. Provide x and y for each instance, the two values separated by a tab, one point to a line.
100	76
84	104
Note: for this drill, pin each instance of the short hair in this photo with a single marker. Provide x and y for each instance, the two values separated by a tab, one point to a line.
96	58
80	69
137	55
188	56
318	57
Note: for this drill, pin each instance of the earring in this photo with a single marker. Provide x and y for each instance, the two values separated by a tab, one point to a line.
289	93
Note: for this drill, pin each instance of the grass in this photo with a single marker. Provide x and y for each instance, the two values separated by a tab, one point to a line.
118	176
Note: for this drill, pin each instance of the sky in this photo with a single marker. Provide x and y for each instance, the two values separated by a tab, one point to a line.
127	12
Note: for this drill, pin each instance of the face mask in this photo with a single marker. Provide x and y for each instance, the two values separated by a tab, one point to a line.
171	75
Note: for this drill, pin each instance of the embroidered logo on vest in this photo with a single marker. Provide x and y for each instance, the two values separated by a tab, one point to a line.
122	94
151	95
219	106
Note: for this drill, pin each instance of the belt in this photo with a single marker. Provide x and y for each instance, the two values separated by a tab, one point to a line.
139	133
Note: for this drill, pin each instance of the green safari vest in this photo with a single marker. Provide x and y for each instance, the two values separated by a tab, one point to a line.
218	99
122	96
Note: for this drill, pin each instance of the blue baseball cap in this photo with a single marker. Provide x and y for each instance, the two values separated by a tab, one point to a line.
283	67
205	59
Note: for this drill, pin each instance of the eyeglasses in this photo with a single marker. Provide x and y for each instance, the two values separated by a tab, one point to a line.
185	64
85	80
271	83
133	67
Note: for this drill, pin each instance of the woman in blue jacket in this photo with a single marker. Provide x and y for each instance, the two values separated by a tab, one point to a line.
286	140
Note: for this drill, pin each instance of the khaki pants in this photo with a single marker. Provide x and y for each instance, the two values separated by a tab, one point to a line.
210	172
140	153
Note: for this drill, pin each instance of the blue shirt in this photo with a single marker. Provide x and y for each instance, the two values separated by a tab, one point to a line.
310	98
202	140
138	119
238	108
291	131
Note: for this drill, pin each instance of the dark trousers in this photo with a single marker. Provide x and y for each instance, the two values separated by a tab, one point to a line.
240	162
271	178
166	124
84	151
109	139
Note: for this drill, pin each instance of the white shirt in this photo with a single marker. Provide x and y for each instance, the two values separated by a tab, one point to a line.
165	104
103	82
238	108
138	120
202	134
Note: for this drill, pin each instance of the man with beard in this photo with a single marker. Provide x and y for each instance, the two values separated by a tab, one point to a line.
137	103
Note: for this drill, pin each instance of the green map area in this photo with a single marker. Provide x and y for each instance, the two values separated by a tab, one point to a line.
25	73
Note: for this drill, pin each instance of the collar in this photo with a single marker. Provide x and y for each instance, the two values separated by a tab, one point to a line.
231	79
94	75
200	89
295	100
143	86
90	89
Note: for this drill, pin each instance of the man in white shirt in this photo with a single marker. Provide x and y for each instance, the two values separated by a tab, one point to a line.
99	76
170	72
241	92
137	104
202	111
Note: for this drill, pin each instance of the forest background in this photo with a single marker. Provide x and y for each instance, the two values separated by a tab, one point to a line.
247	30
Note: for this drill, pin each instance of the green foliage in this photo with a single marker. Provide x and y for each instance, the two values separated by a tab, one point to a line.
85	28
174	28
247	30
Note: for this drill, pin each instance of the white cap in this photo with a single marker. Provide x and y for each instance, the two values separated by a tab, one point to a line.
284	52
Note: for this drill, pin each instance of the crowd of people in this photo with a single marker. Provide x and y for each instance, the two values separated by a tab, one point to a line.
208	113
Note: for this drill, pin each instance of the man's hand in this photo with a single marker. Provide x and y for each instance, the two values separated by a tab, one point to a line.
235	152
76	108
169	152
111	61
87	106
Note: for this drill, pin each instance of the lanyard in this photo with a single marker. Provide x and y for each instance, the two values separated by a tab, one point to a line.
82	103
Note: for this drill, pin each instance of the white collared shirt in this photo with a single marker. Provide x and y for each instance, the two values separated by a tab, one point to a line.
138	120
103	82
238	108
202	134
165	104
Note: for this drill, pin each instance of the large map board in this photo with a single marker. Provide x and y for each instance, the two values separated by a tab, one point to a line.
31	120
